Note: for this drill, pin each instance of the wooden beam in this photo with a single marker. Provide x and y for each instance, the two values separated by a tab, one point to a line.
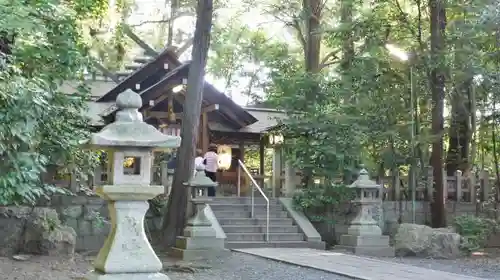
210	108
105	71
147	48
161	114
184	47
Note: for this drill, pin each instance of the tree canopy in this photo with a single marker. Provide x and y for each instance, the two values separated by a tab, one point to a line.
42	46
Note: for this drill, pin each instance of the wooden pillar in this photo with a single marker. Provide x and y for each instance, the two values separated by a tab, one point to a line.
276	170
240	175
241	147
203	137
261	155
204	132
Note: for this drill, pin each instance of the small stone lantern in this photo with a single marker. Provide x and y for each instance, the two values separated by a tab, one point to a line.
199	240
127	253
200	184
364	236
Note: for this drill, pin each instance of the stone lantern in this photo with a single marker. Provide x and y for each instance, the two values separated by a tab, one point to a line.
127	253
200	184
364	236
199	240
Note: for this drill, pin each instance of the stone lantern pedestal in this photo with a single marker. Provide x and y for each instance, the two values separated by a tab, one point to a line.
129	142
364	236
199	240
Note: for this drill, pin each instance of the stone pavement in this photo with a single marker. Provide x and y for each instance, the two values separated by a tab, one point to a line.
352	266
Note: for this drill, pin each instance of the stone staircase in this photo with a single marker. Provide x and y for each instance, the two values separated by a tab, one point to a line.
242	231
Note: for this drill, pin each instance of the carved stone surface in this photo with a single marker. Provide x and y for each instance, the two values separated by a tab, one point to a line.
127	249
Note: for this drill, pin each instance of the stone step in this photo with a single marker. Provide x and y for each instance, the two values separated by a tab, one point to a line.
260	229
244	207
272	244
262	237
247	214
250	221
242	200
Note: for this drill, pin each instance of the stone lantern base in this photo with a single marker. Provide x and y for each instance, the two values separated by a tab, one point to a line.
364	237
127	253
126	276
377	246
199	240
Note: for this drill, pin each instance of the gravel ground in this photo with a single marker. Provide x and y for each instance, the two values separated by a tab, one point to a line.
234	266
484	267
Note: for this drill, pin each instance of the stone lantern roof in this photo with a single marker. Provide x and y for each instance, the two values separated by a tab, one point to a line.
129	129
364	181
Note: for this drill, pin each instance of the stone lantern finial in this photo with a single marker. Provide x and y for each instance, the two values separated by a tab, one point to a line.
128	103
363	175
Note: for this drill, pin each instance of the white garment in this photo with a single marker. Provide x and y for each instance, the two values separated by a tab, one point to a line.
198	161
211	164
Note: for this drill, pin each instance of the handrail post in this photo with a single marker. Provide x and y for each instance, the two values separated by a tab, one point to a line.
253	202
267	222
238	173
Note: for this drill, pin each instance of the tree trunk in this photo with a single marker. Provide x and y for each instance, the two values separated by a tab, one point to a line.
459	133
312	47
437	81
312	9
175	217
174	6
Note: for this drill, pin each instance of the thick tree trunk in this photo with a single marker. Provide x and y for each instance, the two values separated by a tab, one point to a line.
437	80
459	133
312	47
312	9
175	217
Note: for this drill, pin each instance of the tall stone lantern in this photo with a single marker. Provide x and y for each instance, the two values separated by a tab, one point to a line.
364	236
127	253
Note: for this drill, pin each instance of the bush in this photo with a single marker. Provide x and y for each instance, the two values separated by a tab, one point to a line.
475	231
320	202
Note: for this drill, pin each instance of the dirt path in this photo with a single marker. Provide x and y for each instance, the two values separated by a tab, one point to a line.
234	266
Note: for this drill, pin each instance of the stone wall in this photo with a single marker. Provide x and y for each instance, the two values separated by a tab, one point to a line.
87	215
388	213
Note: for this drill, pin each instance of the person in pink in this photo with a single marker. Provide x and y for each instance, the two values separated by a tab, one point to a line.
211	166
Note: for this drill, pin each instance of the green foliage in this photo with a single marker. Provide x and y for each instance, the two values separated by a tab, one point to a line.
321	202
241	57
41	126
475	231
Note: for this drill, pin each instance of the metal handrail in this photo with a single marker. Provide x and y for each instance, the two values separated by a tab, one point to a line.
254	184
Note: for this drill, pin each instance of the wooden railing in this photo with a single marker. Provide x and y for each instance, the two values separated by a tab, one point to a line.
457	188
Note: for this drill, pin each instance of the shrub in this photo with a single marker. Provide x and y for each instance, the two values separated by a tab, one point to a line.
475	231
320	202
